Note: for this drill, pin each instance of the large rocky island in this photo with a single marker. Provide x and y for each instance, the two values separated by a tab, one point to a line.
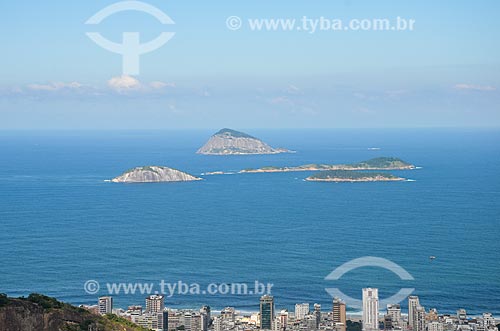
380	163
352	176
231	142
154	174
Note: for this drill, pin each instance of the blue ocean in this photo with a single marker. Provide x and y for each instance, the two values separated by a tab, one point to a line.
62	224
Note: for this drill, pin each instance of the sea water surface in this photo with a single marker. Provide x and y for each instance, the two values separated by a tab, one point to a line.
62	224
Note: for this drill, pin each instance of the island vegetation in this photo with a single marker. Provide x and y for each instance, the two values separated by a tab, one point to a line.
379	163
352	176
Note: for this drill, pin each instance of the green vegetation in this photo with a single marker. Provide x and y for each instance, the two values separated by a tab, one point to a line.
353	326
59	314
234	133
382	163
122	321
351	175
45	301
146	168
4	300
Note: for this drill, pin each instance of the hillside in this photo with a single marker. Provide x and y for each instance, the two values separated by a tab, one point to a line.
41	313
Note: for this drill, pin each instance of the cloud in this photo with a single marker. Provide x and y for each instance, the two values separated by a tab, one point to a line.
55	86
294	90
294	105
124	83
474	87
364	110
389	95
205	93
282	100
395	94
157	85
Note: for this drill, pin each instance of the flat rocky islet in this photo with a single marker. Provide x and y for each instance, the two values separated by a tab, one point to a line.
379	163
352	176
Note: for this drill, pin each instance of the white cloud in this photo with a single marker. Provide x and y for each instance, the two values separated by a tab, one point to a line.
292	89
120	84
281	100
475	87
205	93
364	110
124	83
55	86
160	85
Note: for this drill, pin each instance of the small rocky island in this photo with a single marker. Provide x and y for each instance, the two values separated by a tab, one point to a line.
231	142
379	163
154	174
352	176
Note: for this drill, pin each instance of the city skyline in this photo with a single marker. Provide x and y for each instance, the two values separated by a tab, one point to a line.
158	317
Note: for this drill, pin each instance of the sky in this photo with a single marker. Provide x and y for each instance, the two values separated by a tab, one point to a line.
445	72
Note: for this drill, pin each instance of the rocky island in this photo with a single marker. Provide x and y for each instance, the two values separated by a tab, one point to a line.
379	163
352	176
154	174
231	142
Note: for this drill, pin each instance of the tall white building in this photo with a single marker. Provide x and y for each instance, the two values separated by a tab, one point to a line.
488	319
317	314
370	309
105	305
413	304
394	311
155	304
218	323
301	310
205	317
419	323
